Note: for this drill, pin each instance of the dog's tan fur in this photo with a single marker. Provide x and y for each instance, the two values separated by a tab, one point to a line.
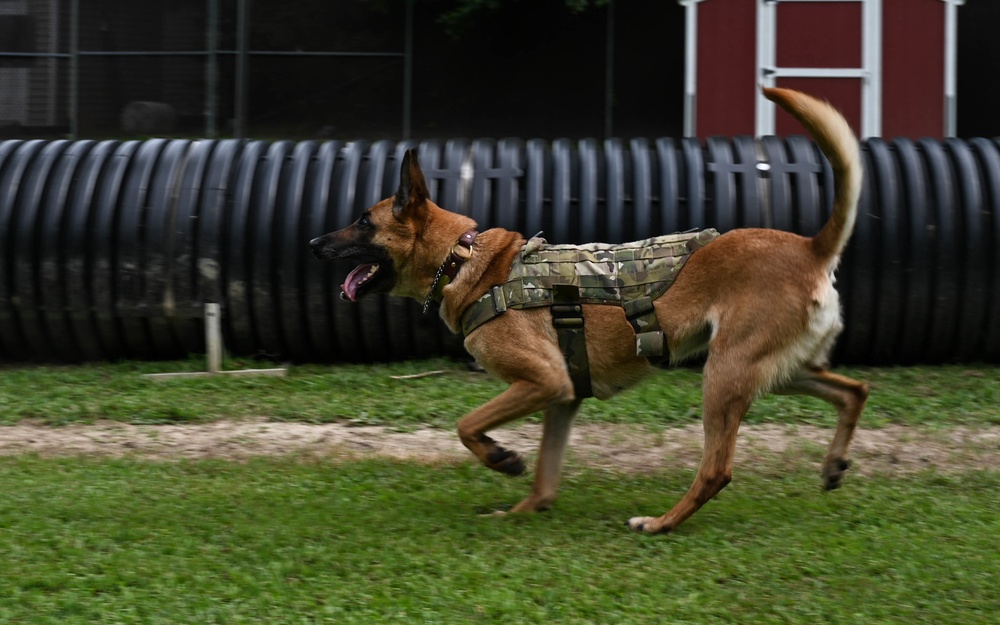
760	302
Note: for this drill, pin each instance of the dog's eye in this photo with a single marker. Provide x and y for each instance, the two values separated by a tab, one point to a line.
364	220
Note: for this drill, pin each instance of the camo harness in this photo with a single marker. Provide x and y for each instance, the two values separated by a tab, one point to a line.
565	277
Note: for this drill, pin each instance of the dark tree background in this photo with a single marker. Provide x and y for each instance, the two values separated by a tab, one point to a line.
482	68
486	68
527	68
978	69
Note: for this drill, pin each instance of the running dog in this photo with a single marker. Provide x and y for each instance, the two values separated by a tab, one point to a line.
760	302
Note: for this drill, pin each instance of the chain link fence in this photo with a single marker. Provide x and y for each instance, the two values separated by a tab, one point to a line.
120	68
305	69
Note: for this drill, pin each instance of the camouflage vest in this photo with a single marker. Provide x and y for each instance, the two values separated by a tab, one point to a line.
564	277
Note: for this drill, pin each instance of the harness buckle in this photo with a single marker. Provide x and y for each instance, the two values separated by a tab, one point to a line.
567	318
499	301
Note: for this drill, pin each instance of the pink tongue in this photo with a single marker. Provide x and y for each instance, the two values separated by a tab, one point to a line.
355	279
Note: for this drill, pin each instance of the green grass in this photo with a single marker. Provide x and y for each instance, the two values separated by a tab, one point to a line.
366	394
293	540
271	541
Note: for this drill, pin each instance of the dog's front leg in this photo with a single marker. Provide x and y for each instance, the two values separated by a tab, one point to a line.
555	436
520	399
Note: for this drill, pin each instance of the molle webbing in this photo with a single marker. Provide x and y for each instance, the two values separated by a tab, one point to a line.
630	275
564	277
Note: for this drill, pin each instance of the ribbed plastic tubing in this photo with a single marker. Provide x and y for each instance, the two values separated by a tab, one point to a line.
109	249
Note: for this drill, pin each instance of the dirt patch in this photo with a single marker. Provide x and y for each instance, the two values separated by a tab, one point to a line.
886	451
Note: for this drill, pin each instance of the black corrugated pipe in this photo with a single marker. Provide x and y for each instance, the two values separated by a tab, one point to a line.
109	249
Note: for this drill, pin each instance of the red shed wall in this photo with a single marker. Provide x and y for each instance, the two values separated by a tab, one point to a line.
837	44
727	67
826	35
819	34
843	93
913	68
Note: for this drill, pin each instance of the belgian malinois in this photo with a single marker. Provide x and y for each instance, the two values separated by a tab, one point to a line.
760	302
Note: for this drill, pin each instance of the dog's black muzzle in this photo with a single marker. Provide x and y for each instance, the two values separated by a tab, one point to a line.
318	246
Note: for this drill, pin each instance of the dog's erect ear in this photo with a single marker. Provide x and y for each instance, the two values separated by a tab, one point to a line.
412	193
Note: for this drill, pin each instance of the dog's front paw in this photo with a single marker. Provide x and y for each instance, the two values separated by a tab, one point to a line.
646	525
833	472
506	461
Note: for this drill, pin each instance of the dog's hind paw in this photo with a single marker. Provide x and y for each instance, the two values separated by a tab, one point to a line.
645	525
833	472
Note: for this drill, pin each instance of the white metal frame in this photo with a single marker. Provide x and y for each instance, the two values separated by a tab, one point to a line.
950	62
690	64
870	72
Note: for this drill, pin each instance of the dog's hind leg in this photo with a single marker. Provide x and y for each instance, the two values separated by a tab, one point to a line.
848	397
729	388
555	436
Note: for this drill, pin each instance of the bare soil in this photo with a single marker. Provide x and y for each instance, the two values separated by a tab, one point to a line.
891	450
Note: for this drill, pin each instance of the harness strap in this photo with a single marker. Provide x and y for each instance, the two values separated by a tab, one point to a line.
490	305
567	317
536	283
649	341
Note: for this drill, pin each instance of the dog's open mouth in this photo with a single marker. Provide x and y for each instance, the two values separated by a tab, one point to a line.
359	277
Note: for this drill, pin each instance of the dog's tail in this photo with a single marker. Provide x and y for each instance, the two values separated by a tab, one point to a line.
830	130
